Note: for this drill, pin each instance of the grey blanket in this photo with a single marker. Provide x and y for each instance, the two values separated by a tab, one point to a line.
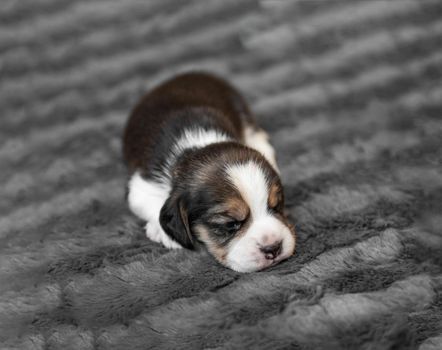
350	92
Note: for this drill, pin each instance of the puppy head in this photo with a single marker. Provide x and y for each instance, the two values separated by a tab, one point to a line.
230	199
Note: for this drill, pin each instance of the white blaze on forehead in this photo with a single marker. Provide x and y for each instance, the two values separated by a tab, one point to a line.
251	182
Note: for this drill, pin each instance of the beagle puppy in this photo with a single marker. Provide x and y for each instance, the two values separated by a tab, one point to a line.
203	174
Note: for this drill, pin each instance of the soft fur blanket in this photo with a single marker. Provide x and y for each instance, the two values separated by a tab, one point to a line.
350	92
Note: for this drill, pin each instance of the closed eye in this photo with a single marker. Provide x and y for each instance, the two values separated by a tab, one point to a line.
234	226
228	222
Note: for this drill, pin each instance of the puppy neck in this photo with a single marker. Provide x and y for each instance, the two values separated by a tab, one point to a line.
194	139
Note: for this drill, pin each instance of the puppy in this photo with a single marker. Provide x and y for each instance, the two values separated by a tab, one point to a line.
202	173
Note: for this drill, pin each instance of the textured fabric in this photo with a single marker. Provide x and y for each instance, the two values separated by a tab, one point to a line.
350	92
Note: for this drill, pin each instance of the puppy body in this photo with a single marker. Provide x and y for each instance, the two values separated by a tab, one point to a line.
203	173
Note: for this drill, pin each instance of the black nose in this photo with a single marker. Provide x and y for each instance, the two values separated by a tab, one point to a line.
272	251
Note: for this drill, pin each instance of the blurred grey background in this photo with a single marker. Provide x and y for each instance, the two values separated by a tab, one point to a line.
351	94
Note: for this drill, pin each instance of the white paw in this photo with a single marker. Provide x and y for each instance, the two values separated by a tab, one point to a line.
155	232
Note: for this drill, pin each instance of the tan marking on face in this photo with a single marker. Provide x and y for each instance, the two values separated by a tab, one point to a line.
232	208
237	208
275	196
215	249
218	250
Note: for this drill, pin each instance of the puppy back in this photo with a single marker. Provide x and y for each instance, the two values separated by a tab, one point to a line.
186	101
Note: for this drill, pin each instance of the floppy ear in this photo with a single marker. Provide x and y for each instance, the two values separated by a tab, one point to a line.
175	222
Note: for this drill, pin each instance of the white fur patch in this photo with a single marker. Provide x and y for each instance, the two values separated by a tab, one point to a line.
146	198
199	138
244	254
250	180
194	138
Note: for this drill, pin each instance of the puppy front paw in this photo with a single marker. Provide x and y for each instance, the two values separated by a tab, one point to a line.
155	232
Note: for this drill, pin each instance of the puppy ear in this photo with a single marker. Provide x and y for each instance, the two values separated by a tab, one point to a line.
175	222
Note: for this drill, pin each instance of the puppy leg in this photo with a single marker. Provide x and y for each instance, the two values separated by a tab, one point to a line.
258	139
146	198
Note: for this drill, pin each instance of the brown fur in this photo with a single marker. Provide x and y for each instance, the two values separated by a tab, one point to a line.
184	95
275	195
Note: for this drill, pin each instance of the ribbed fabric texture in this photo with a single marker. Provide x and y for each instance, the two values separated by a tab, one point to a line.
351	94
